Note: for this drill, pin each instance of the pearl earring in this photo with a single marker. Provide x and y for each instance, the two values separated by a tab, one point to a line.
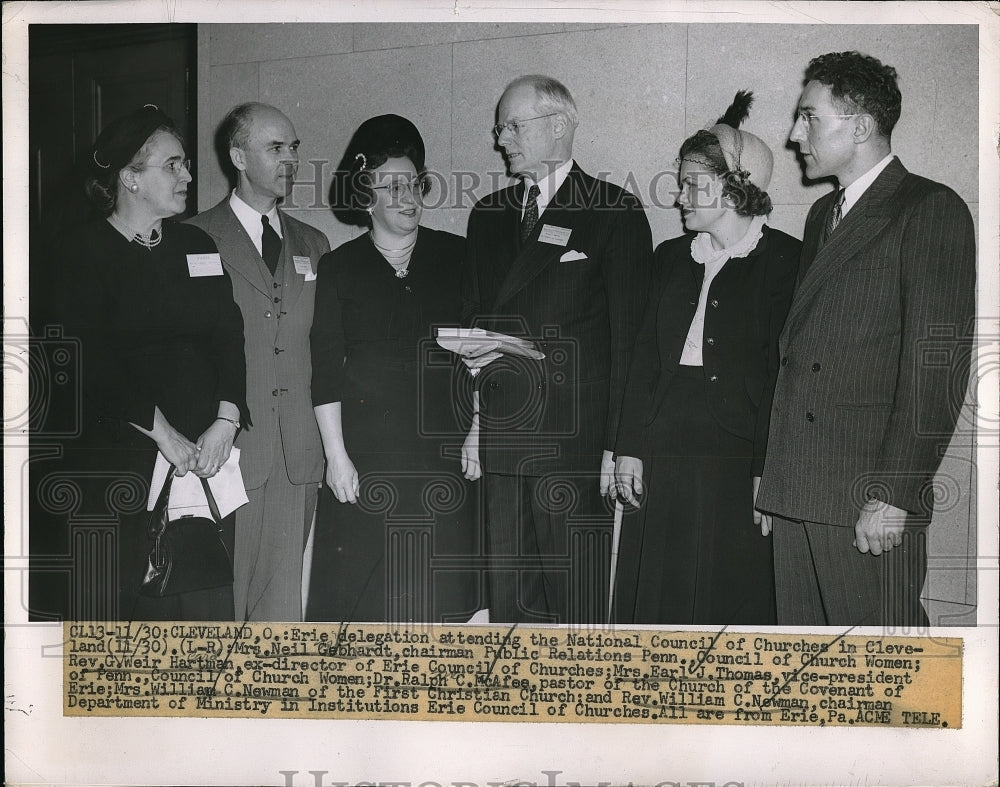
134	187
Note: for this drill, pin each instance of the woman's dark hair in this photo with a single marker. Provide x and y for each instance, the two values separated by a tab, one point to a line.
748	199
376	141
123	143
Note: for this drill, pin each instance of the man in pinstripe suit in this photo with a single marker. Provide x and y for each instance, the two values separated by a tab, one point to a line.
874	361
563	259
271	258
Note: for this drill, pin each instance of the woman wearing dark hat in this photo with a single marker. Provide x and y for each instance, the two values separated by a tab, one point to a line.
694	422
161	339
392	504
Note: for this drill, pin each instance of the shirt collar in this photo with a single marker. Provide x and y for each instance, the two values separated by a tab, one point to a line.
250	218
854	192
549	185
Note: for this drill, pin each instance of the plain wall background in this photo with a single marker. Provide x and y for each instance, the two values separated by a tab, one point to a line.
640	90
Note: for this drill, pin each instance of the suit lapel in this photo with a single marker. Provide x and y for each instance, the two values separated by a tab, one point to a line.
862	224
533	256
294	280
237	249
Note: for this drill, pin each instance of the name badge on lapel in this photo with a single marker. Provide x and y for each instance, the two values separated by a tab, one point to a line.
204	265
303	265
557	236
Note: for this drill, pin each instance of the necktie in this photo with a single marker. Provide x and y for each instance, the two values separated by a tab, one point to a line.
530	213
270	245
836	214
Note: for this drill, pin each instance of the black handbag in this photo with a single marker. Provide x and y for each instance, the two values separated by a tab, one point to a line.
188	553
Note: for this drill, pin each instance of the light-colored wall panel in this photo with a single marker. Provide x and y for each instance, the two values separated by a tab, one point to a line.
629	127
936	136
266	42
395	35
230	85
333	95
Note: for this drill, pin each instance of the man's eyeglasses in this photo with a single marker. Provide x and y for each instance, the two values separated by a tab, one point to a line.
514	126
396	189
808	118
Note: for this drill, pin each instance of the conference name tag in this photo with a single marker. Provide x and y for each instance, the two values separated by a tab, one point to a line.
557	236
303	265
204	265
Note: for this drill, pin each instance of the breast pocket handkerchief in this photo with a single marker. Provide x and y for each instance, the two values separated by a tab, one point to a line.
573	256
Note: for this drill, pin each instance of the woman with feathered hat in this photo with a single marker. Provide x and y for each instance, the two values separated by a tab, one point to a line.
694	423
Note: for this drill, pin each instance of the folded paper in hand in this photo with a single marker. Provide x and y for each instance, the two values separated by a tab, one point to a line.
472	342
187	498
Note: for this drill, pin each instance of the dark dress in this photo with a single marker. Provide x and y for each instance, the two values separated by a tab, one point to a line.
150	335
402	552
692	554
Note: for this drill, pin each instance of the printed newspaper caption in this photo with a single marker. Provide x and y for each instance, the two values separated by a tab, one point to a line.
509	674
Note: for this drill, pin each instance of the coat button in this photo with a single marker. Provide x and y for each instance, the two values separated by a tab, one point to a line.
276	350
274	392
276	285
816	367
713	378
710	341
715	303
810	417
784	361
267	315
277	299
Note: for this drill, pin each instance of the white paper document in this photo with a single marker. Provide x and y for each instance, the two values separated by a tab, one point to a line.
472	342
187	498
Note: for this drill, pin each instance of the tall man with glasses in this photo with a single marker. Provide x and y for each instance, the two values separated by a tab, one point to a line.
874	361
271	258
564	260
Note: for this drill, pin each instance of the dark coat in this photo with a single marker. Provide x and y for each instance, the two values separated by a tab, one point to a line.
583	312
747	304
874	354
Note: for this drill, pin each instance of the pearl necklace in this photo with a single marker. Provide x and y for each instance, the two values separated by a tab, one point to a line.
399	259
149	240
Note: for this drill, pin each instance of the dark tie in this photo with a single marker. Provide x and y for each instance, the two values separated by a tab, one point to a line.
270	245
530	213
836	214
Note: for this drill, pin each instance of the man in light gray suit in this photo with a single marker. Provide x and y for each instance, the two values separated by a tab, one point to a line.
271	259
874	361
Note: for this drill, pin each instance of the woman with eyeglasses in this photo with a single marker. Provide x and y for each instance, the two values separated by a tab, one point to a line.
161	345
392	502
693	432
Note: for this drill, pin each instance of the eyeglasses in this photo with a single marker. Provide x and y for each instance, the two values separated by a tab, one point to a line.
514	126
415	188
807	118
174	167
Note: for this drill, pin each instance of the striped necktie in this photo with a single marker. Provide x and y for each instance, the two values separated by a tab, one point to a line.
836	214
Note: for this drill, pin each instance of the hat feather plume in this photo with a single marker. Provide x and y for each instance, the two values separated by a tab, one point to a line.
738	111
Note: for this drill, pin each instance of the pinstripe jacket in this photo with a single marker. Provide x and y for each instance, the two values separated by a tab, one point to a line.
874	354
580	297
276	329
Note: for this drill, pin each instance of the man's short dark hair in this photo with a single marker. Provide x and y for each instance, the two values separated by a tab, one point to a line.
862	84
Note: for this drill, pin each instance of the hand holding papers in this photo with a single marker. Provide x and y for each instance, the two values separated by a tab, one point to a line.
188	498
479	348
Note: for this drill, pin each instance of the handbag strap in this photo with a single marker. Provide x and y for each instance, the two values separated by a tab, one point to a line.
158	517
211	502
